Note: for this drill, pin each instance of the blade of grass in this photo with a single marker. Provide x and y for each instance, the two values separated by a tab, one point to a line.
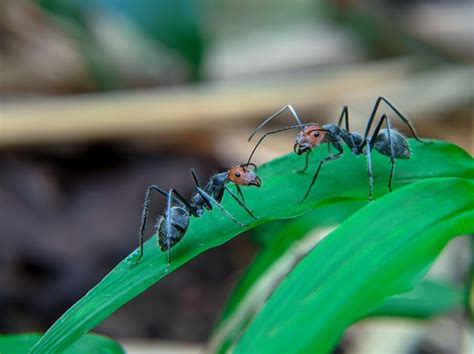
90	344
279	198
291	241
382	250
283	244
429	299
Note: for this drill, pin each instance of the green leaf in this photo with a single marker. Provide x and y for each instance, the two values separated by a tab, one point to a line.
429	299
284	243
291	241
279	197
90	344
382	250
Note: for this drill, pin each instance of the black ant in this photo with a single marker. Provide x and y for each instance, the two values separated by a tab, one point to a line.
173	224
387	141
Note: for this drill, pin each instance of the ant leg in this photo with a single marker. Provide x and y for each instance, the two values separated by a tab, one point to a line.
383	119
195	177
184	202
238	201
168	260
326	159
146	205
168	213
239	191
344	116
273	132
392	154
369	170
376	131
306	163
144	217
287	107
168	225
399	114
209	199
198	185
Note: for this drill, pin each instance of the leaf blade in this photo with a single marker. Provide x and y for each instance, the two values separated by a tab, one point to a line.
430	298
278	198
90	344
349	284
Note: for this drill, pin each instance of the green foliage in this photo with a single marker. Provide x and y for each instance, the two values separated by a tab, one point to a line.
176	24
341	181
90	344
284	243
350	273
429	299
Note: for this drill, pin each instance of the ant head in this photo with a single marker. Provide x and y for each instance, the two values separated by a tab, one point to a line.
310	137
242	175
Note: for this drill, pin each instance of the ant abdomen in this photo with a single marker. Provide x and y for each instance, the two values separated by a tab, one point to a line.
179	222
400	147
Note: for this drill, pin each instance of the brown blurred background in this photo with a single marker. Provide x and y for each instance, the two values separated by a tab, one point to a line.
100	98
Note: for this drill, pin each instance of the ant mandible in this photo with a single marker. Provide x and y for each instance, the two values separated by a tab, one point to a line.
388	142
173	224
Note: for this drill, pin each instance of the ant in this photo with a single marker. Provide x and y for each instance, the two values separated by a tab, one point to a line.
388	141
173	224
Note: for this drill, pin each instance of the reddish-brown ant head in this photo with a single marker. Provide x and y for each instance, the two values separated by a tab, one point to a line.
243	176
310	137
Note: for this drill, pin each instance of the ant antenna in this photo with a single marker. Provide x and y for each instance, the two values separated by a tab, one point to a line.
249	164
287	107
273	132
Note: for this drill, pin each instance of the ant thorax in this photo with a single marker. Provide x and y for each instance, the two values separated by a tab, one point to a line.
215	189
218	179
310	137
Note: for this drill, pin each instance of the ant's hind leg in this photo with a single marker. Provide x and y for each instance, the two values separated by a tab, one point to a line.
168	229
144	217
168	260
398	113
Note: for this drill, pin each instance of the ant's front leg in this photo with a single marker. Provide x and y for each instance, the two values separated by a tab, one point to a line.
208	198
239	191
238	201
326	159
306	164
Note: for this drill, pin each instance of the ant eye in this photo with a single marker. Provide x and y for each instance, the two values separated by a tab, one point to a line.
237	174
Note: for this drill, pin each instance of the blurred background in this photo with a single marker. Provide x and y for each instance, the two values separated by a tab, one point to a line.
101	98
